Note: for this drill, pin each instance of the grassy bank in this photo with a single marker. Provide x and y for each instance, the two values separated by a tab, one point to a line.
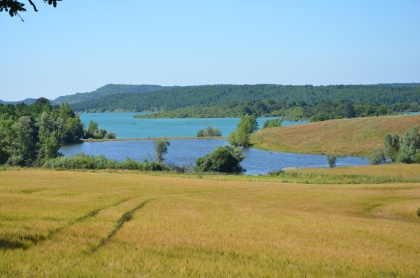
61	223
357	136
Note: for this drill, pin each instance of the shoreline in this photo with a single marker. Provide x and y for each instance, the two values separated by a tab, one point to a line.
148	139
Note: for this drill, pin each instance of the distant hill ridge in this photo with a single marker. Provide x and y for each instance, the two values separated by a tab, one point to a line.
210	95
137	98
110	89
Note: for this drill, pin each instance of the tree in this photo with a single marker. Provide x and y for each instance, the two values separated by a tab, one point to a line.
31	134
410	146
49	141
247	125
223	159
161	147
272	123
377	157
209	132
392	146
13	7
21	142
332	160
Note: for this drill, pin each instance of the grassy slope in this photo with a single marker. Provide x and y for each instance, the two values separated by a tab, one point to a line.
60	223
348	136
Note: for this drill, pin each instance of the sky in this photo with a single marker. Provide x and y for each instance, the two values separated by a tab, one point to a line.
82	45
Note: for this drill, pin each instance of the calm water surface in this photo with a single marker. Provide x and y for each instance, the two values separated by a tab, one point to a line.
128	127
185	152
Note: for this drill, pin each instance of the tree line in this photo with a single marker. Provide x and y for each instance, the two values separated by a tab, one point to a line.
32	134
236	95
317	111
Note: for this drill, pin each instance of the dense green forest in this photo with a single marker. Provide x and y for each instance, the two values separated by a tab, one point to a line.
263	100
109	89
31	134
318	111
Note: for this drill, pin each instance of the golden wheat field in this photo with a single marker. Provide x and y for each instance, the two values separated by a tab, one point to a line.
131	224
357	136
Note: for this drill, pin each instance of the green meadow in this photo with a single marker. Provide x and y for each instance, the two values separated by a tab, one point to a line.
136	224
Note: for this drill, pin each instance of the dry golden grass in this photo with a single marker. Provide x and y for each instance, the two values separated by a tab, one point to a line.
357	136
403	171
60	223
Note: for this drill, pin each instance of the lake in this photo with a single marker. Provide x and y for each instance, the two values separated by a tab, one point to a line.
128	127
184	152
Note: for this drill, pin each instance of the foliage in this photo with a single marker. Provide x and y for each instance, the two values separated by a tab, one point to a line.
13	7
88	162
291	102
377	157
31	133
332	160
223	159
241	136
110	135
410	146
161	147
110	89
272	123
392	146
94	132
209	132
405	149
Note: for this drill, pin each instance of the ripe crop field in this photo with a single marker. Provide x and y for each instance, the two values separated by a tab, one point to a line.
131	224
357	136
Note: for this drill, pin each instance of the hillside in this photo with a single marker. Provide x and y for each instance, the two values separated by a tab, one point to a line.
110	89
347	136
211	95
26	101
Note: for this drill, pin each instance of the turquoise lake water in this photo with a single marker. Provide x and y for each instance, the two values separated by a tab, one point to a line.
184	152
128	127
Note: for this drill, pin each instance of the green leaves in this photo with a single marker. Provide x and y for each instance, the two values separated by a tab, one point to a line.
241	137
224	159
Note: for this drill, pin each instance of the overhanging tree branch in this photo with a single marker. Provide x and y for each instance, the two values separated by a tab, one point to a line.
33	5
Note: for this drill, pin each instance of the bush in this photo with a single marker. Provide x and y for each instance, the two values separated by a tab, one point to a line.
88	162
410	146
110	135
332	160
222	160
377	157
272	123
161	147
209	132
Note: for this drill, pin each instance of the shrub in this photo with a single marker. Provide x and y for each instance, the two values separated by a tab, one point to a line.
209	132
377	157
110	135
410	146
222	160
332	160
272	123
161	147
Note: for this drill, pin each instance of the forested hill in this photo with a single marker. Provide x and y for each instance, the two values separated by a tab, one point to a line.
211	95
26	101
109	89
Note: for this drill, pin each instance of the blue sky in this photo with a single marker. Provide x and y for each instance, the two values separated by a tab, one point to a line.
82	45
